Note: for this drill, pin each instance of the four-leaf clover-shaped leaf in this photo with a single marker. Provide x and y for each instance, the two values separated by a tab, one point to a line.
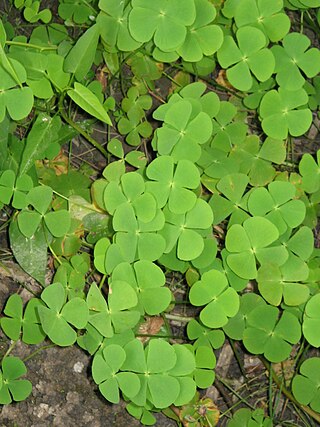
267	16
220	299
164	21
276	204
185	230
203	38
266	334
250	242
292	57
105	372
148	280
183	132
114	315
164	371
172	184
249	56
14	188
57	318
131	190
280	113
135	238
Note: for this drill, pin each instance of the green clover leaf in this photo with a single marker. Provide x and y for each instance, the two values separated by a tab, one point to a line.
113	22
233	187
148	280
204	336
250	242
17	101
255	160
237	324
204	374
249	56
195	93
182	134
276	204
72	275
114	315
220	299
311	321
227	130
170	183
305	386
77	12
184	230
11	325
164	372
57	317
13	388
246	418
280	114
292	57
105	373
276	282
131	190
14	190
137	239
40	198
134	127
266	334
163	21
310	171
267	16
135	102
202	37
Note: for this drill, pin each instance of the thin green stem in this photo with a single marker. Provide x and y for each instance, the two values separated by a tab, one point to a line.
45	347
159	336
102	281
32	46
12	346
79	129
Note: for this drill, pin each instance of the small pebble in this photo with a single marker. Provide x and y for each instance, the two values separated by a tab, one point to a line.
78	367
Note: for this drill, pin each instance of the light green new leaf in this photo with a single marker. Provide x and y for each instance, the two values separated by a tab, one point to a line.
86	100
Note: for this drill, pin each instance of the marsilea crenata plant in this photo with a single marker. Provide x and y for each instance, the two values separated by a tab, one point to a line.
200	186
